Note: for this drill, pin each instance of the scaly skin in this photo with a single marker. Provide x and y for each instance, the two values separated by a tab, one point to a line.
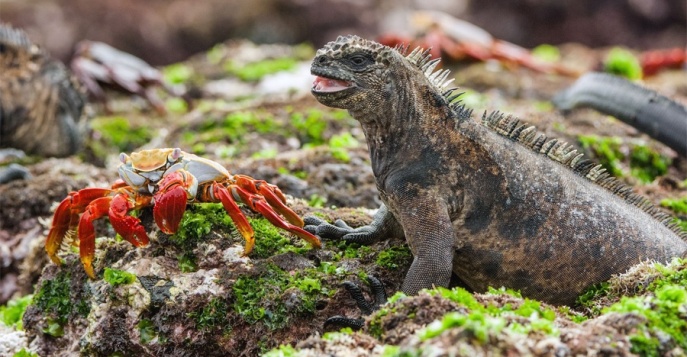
41	105
493	202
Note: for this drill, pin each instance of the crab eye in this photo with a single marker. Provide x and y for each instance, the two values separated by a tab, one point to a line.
174	155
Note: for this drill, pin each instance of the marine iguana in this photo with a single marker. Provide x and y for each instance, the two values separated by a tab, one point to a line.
492	201
41	104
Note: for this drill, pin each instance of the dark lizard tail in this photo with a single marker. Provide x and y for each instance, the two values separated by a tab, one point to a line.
658	116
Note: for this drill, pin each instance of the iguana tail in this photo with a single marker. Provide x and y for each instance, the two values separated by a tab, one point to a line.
660	117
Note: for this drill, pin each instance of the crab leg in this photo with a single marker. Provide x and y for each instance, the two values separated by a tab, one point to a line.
260	205
60	227
236	215
170	201
128	227
272	194
94	210
66	217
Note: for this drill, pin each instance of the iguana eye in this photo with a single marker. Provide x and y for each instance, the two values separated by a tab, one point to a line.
360	61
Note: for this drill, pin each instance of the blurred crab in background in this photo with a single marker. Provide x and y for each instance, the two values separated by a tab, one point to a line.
166	179
458	39
96	63
654	61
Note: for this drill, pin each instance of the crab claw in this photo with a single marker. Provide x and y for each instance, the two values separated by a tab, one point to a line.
66	218
128	227
236	215
175	190
272	194
260	205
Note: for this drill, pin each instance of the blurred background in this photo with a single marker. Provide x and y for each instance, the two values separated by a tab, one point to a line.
166	31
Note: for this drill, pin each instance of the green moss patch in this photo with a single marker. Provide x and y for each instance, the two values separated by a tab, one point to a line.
659	295
118	132
233	128
282	351
212	315
589	298
202	218
666	325
229	135
12	313
256	70
340	144
678	205
116	277
645	163
275	295
198	221
622	62
24	353
607	150
270	240
146	330
394	257
311	125
477	323
177	73
54	298
487	319
547	53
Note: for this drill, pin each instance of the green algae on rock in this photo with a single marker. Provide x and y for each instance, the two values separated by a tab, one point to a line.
456	322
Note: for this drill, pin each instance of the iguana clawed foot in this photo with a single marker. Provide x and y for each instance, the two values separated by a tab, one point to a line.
340	230
366	307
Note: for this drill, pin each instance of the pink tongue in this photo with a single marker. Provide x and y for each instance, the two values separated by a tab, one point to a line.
322	84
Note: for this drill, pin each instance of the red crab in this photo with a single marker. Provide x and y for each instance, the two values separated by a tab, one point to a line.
166	179
457	39
655	60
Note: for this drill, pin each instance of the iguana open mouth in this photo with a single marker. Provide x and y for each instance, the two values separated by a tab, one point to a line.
325	85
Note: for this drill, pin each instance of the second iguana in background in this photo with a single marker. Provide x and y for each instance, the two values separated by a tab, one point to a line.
492	201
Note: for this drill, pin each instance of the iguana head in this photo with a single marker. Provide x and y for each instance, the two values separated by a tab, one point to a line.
15	47
352	71
369	78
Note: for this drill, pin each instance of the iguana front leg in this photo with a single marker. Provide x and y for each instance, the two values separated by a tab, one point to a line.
384	225
429	232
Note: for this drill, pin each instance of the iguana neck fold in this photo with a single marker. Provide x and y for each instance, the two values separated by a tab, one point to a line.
399	128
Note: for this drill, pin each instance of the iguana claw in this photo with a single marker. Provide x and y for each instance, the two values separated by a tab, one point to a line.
366	307
380	228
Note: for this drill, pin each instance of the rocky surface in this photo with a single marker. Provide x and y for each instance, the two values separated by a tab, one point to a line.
454	323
